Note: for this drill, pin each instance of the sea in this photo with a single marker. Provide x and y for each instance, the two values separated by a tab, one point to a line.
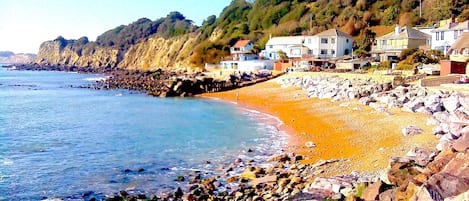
59	138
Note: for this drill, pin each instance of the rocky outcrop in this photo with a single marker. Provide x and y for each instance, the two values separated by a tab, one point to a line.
151	54
73	53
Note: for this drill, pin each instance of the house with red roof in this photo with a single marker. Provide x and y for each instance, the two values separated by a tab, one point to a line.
241	50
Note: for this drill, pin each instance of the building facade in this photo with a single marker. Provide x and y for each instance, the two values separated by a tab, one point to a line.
328	44
444	36
390	46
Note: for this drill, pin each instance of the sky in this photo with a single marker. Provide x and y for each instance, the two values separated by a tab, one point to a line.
25	24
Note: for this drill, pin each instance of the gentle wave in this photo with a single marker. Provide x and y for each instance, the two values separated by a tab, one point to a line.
94	79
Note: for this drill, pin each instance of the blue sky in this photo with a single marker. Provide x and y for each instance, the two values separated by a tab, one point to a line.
25	24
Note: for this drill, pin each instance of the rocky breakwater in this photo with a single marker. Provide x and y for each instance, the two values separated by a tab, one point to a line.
424	174
158	83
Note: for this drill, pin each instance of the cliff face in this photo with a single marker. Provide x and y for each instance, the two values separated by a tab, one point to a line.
158	52
71	54
153	53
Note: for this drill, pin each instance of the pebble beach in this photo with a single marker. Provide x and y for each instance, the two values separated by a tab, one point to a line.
363	138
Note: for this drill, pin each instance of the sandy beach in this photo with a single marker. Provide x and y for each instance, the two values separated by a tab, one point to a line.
361	138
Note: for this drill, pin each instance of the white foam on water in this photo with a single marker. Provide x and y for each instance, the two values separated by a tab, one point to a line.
7	161
93	79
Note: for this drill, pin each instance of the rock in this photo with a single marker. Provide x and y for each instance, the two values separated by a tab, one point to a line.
262	180
411	130
451	103
461	197
180	178
314	194
372	191
123	193
401	170
388	195
462	144
444	143
178	193
249	173
458	166
431	121
406	192
279	158
310	144
447	185
421	156
423	194
440	161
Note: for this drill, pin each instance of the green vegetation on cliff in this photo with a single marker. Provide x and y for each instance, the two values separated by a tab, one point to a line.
257	20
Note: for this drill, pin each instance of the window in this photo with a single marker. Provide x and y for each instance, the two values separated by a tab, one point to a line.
324	40
442	35
271	46
456	34
333	52
333	40
323	51
437	35
296	52
346	40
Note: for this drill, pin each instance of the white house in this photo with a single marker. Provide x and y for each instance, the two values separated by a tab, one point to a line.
327	44
243	60
444	36
332	43
292	46
248	65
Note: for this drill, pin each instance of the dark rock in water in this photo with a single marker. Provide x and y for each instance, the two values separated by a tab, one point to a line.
250	150
123	193
115	198
164	169
87	193
140	170
178	193
127	171
180	178
141	196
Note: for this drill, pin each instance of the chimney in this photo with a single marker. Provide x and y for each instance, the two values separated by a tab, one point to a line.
397	29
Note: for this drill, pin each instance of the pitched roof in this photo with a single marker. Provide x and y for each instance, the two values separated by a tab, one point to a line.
286	40
405	33
241	43
334	32
461	43
454	26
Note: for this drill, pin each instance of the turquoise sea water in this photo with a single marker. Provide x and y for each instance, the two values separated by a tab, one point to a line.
58	141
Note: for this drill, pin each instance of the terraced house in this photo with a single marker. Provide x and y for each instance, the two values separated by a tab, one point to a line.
390	46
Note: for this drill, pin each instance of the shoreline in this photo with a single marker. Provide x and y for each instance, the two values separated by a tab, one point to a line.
335	132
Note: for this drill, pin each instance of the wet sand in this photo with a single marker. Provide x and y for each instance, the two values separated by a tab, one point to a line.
347	130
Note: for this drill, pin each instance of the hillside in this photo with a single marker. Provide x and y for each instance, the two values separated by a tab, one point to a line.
7	57
174	41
